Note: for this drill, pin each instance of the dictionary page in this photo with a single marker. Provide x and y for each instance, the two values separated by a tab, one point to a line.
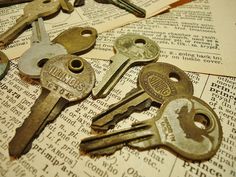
56	151
100	16
199	36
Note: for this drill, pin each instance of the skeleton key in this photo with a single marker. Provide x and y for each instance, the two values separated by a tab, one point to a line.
77	40
125	4
156	82
32	11
41	50
184	124
64	79
4	65
132	49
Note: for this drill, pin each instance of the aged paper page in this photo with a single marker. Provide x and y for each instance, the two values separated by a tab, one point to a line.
56	151
193	36
100	16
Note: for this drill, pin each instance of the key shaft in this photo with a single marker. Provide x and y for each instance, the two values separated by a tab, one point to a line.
130	7
131	49
41	50
156	83
32	11
26	133
115	113
115	140
65	78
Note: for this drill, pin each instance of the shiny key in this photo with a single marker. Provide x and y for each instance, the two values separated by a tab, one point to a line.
185	125
40	51
64	79
156	83
32	11
131	49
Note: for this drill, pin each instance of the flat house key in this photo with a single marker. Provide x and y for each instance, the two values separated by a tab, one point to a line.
41	50
125	4
131	49
156	83
32	11
184	124
64	79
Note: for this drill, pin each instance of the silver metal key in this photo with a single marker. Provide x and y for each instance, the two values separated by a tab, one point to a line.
185	124
127	5
131	49
156	83
32	11
41	50
64	79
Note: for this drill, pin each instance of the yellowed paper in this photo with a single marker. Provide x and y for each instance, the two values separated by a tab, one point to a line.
103	17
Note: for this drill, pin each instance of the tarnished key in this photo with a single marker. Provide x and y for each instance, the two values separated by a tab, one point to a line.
32	11
66	6
184	124
11	2
64	79
131	49
127	5
4	65
156	83
77	40
41	50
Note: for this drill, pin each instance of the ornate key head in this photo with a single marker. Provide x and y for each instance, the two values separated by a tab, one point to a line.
163	80
69	76
190	127
137	47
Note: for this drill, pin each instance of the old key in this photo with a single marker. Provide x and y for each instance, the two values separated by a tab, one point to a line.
32	11
64	79
4	64
131	49
184	124
156	83
40	51
127	5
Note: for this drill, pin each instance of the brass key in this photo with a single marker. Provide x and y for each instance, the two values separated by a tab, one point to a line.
127	5
131	49
156	83
77	40
64	78
32	11
4	64
184	124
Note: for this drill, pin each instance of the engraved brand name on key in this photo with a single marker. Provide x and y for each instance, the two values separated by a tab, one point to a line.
66	78
166	128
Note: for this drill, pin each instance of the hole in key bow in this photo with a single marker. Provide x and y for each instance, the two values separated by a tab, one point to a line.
174	77
201	121
140	42
86	33
76	66
42	62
